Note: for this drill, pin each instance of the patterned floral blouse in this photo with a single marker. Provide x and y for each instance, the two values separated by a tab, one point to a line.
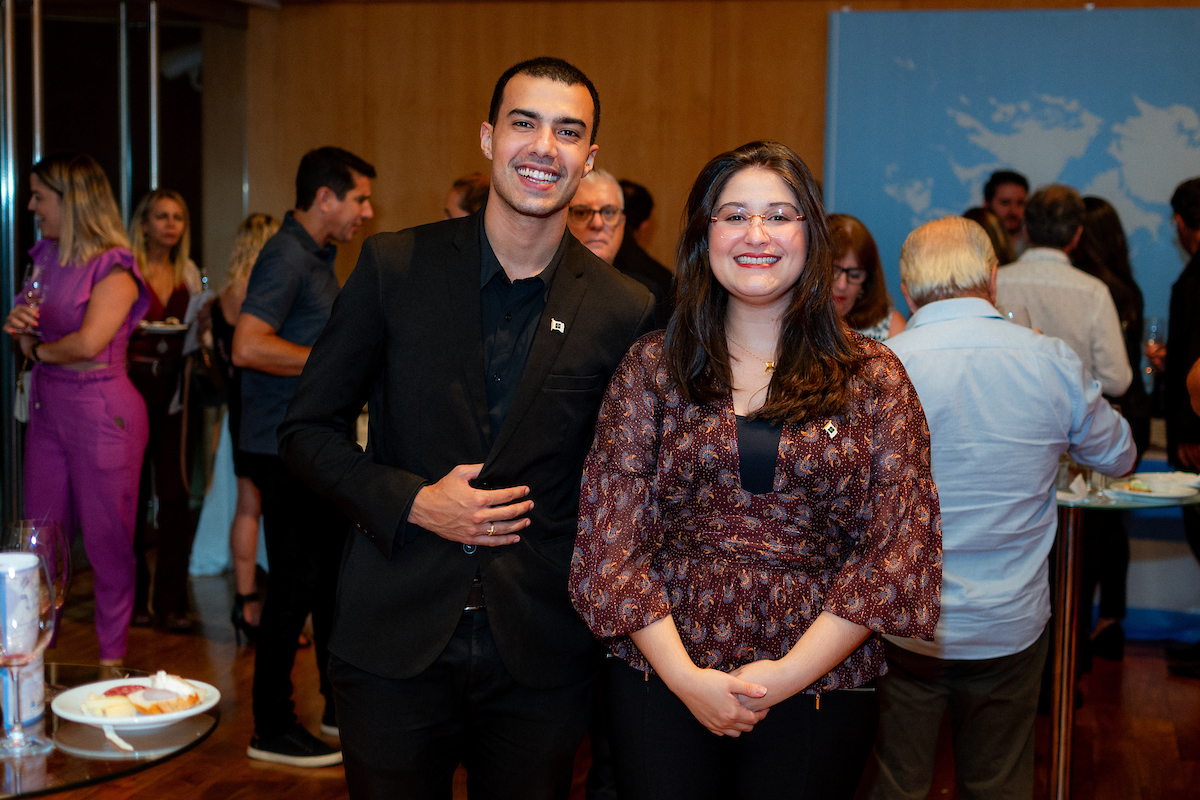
853	525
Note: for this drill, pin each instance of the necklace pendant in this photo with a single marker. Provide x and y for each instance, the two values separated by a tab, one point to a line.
770	366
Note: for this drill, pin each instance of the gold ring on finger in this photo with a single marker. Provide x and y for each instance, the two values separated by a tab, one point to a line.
491	529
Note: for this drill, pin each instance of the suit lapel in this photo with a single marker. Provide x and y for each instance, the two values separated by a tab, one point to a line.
463	333
566	295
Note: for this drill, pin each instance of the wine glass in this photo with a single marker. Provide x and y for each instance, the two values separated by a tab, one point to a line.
48	538
27	612
33	289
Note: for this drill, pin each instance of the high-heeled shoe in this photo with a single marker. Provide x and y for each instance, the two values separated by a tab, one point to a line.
237	615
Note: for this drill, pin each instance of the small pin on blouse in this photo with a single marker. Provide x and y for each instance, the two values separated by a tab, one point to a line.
830	429
557	326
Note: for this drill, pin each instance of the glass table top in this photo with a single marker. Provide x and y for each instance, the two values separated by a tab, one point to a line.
82	755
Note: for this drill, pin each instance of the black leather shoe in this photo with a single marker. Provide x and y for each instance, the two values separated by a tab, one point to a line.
1187	653
237	615
1110	643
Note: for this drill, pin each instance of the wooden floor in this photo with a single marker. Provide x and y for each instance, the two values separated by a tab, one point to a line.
1137	735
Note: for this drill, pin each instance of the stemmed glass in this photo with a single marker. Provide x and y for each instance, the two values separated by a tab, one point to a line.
48	538
33	289
28	613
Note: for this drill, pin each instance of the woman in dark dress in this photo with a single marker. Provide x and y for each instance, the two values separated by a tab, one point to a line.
160	237
756	509
252	234
1104	253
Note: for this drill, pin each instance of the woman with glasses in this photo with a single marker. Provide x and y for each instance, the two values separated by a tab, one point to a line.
756	509
859	289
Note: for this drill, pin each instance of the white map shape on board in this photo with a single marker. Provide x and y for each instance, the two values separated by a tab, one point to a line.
1042	138
1157	149
1154	150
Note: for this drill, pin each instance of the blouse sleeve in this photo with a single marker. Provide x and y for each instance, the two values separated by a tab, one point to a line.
892	581
613	583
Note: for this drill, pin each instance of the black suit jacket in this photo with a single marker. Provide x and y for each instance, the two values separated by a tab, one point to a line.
635	262
405	335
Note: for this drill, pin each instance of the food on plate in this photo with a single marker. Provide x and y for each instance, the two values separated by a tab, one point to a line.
164	694
108	706
1138	486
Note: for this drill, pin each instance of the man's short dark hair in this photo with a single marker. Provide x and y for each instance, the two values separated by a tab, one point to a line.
1186	203
546	67
331	167
1001	177
638	203
1053	215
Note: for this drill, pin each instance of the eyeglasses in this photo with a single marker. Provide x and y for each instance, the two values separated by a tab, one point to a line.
583	215
777	220
854	276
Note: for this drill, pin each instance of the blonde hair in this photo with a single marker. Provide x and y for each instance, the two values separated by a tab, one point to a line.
944	258
91	223
180	254
252	234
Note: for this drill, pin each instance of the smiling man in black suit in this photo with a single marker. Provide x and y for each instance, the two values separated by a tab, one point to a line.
483	346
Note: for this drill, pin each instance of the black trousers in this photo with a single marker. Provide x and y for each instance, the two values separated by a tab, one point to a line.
405	738
305	537
661	752
176	518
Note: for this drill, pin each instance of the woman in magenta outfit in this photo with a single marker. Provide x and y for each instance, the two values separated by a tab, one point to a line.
160	235
87	424
756	509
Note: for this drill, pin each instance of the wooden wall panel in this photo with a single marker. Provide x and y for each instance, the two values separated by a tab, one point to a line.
407	84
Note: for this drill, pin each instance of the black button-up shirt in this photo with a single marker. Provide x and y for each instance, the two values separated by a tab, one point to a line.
510	312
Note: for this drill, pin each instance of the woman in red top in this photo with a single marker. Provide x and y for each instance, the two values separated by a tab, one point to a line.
159	233
756	509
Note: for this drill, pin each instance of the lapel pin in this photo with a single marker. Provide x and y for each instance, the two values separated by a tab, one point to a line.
557	326
830	429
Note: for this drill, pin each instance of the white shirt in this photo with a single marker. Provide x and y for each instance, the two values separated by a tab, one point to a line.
1003	403
1068	303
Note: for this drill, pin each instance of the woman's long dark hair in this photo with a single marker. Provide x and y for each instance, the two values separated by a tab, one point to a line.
815	357
1104	253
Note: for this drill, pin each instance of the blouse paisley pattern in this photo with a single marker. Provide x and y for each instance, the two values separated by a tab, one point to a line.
853	525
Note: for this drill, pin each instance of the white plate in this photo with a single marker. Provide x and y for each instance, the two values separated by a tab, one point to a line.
69	705
1172	478
1160	492
163	327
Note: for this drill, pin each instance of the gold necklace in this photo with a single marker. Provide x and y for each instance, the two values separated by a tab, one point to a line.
770	365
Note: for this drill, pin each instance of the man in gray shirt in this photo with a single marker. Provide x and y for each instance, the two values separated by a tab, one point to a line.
1063	301
288	301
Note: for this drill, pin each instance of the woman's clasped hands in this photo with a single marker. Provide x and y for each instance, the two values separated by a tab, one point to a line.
714	698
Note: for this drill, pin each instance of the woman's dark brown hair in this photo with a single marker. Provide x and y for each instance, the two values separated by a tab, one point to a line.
849	235
815	357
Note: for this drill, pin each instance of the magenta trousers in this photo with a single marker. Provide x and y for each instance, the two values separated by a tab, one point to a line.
83	455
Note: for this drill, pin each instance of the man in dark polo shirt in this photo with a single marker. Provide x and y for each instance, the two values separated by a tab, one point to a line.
288	302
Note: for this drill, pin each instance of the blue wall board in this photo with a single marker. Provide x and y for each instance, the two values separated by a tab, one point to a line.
923	106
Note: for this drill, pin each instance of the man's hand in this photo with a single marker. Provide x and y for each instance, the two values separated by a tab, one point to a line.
1188	454
455	510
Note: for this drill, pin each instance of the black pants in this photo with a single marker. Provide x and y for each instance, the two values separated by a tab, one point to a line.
176	518
662	752
405	738
305	537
